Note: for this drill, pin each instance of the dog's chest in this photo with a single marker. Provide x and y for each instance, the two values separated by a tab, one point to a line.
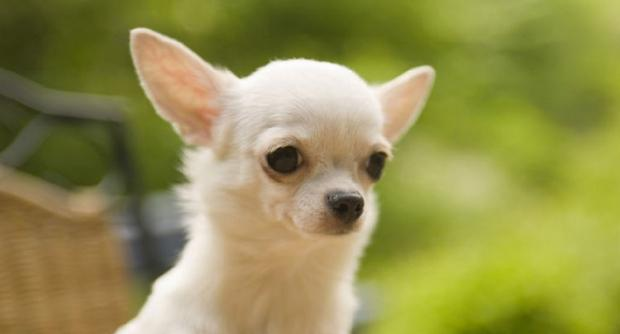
282	295
276	307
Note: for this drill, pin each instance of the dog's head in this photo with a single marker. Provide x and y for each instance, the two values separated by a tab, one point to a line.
303	140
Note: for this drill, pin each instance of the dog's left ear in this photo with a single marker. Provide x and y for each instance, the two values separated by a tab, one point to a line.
184	89
403	98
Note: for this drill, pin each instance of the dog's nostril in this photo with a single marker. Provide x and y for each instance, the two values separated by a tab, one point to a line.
347	206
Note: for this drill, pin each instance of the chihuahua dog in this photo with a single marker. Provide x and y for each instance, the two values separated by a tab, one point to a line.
279	204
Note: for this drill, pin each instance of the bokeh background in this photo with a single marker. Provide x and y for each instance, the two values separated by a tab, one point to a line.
500	212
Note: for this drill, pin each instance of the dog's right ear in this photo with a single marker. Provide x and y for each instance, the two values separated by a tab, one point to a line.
184	89
402	100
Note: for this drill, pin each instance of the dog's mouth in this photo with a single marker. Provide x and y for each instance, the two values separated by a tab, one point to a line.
342	230
326	227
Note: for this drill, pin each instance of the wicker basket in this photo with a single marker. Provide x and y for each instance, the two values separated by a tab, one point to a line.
61	270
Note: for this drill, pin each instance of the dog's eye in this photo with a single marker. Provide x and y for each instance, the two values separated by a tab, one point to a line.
284	160
375	165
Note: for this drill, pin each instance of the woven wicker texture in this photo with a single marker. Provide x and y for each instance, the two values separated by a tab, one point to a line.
61	271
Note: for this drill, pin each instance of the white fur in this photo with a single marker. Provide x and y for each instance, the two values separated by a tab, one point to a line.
264	254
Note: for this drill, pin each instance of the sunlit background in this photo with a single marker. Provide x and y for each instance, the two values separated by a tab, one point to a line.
500	212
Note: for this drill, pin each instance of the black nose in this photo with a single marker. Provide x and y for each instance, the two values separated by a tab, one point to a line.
347	206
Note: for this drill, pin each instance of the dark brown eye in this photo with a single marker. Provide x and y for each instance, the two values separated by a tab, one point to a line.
284	160
376	162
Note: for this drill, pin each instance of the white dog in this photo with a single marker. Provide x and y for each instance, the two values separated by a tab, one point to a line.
279	200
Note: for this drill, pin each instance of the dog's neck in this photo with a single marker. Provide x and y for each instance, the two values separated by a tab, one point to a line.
269	248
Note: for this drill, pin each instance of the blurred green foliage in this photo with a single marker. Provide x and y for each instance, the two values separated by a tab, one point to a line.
500	212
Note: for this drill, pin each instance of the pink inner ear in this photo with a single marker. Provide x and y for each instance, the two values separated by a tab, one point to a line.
181	86
403	100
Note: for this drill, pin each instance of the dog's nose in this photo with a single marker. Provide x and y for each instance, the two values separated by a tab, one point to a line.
346	206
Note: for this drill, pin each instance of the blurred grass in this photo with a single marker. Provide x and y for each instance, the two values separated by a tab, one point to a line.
508	260
500	211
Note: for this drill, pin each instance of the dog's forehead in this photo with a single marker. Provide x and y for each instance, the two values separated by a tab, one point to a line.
312	94
298	71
